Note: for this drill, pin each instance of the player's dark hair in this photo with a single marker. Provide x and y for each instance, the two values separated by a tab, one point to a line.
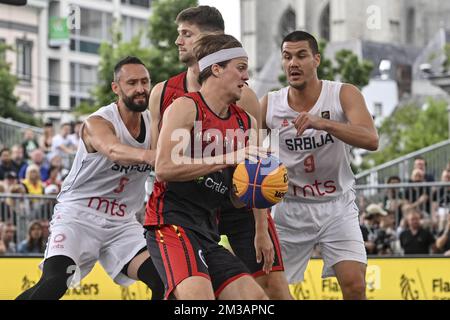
205	17
298	35
124	61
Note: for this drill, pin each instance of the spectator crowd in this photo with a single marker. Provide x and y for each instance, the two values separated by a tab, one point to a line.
405	220
36	167
411	220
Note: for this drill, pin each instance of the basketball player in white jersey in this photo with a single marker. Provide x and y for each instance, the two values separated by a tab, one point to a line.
94	219
318	121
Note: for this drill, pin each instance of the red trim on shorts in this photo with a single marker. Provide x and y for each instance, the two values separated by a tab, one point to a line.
171	250
167	267
261	273
275	240
227	282
190	251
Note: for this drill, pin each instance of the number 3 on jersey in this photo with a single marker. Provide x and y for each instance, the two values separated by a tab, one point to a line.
309	164
123	181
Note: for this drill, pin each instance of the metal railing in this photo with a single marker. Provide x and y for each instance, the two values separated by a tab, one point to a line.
11	132
22	209
437	157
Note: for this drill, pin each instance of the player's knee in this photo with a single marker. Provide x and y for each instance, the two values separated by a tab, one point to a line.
354	289
260	295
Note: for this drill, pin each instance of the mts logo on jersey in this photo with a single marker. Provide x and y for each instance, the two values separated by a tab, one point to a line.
112	207
317	189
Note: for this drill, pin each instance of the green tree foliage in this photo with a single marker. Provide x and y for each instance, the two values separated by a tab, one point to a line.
162	33
8	101
351	70
325	70
411	128
161	58
446	63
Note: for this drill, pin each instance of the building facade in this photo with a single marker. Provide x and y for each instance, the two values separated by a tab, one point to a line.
394	30
56	46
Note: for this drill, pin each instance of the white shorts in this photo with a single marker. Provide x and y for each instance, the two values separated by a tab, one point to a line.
334	225
87	238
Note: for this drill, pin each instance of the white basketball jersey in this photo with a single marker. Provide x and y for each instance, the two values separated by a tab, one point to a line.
318	163
98	185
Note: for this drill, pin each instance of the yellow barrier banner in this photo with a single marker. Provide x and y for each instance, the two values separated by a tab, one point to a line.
386	279
20	274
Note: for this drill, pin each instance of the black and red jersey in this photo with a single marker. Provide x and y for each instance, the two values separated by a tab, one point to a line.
173	88
193	204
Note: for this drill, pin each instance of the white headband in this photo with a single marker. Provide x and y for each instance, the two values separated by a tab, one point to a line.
220	56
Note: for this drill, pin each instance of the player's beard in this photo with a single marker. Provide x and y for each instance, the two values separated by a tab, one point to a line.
136	107
188	60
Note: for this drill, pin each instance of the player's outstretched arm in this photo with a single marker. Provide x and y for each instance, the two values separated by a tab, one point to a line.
98	135
360	130
154	105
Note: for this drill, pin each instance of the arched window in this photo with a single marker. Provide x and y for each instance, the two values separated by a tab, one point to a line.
287	23
324	23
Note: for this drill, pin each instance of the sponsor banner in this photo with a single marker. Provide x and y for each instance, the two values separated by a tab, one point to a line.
387	279
20	274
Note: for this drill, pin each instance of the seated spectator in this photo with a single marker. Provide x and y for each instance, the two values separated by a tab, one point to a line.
37	158
15	207
371	227
10	180
6	164
416	239
394	199
441	197
45	229
419	197
9	238
443	241
32	181
17	157
45	143
44	209
420	163
62	145
34	243
54	179
75	136
29	143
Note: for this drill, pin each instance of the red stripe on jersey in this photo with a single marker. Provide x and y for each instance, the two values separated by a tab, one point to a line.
276	242
155	205
174	88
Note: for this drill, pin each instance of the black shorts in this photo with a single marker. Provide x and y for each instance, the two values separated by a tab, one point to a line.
179	253
239	227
